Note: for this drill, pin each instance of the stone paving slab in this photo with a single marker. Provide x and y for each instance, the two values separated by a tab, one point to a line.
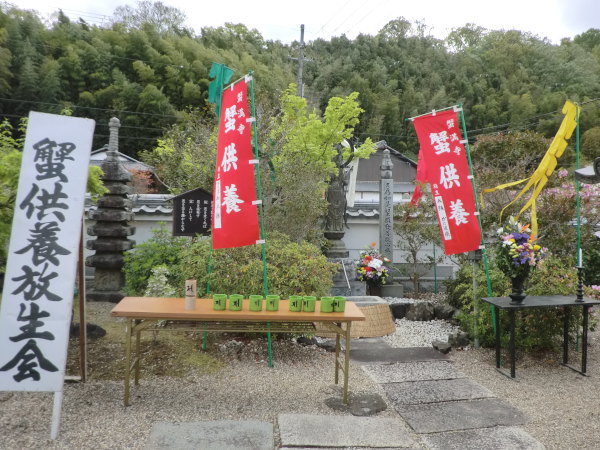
367	344
417	392
376	354
412	371
309	430
498	438
345	448
461	415
212	435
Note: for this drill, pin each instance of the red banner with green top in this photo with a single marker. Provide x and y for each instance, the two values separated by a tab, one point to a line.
446	168
235	212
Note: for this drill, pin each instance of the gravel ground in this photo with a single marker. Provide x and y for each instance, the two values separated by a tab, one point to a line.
561	404
93	415
419	334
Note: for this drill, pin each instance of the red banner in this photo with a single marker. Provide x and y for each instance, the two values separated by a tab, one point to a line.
421	178
235	214
447	169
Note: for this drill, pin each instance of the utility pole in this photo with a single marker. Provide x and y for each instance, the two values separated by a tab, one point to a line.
300	92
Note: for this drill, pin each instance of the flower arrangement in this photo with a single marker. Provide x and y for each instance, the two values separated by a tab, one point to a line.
370	266
518	251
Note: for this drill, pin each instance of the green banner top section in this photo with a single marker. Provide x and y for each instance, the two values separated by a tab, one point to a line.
221	74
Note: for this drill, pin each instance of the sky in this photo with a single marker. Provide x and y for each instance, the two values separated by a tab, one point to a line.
281	19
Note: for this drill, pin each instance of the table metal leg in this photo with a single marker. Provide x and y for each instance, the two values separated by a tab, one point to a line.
269	346
566	320
128	332
585	340
346	361
497	322
138	333
511	314
337	355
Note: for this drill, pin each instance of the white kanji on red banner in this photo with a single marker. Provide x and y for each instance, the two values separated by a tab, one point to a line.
235	214
443	163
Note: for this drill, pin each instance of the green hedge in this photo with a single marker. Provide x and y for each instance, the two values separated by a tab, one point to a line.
293	268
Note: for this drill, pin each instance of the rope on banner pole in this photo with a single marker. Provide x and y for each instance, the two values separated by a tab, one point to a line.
483	249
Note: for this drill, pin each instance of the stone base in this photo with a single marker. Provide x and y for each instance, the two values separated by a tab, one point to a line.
337	249
104	296
344	283
392	290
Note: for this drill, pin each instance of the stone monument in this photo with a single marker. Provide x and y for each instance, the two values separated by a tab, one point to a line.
386	207
386	223
111	228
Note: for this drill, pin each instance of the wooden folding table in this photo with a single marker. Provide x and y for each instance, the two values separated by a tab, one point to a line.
143	313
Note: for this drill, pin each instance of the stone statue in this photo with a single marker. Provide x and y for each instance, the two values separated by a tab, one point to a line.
336	219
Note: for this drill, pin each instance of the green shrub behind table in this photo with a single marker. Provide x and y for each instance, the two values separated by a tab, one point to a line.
161	249
536	328
293	268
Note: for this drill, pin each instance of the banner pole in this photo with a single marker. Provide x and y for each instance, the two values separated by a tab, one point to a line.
260	212
210	265
483	248
56	410
82	307
258	187
577	195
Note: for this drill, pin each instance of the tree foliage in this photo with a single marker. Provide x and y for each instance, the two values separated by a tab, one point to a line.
418	230
146	67
302	147
184	158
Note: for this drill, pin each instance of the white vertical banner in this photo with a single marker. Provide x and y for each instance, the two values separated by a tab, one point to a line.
43	252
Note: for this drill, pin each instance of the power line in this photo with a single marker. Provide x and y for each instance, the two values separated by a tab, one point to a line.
113	56
348	17
98	124
330	19
87	107
366	15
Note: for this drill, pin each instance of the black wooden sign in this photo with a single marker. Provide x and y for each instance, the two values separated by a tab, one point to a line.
192	212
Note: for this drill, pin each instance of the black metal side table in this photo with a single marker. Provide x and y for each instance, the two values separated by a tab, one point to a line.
542	301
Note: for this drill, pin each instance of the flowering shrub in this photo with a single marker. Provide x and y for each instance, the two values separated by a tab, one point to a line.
518	252
370	266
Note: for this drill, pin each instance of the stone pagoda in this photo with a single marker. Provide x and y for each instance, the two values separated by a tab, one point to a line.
111	228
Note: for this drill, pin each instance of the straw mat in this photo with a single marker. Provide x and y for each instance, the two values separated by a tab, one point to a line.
379	322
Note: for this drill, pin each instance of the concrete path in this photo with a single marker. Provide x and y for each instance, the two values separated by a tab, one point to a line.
438	407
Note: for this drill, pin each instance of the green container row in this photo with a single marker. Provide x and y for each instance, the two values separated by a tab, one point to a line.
297	303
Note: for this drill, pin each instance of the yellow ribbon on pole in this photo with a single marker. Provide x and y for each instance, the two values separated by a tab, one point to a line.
540	177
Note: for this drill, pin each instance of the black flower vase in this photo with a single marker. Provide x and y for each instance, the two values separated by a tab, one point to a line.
373	288
517	295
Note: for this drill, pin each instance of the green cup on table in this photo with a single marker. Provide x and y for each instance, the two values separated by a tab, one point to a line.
256	302
272	302
326	304
308	303
339	304
295	303
219	302
235	302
